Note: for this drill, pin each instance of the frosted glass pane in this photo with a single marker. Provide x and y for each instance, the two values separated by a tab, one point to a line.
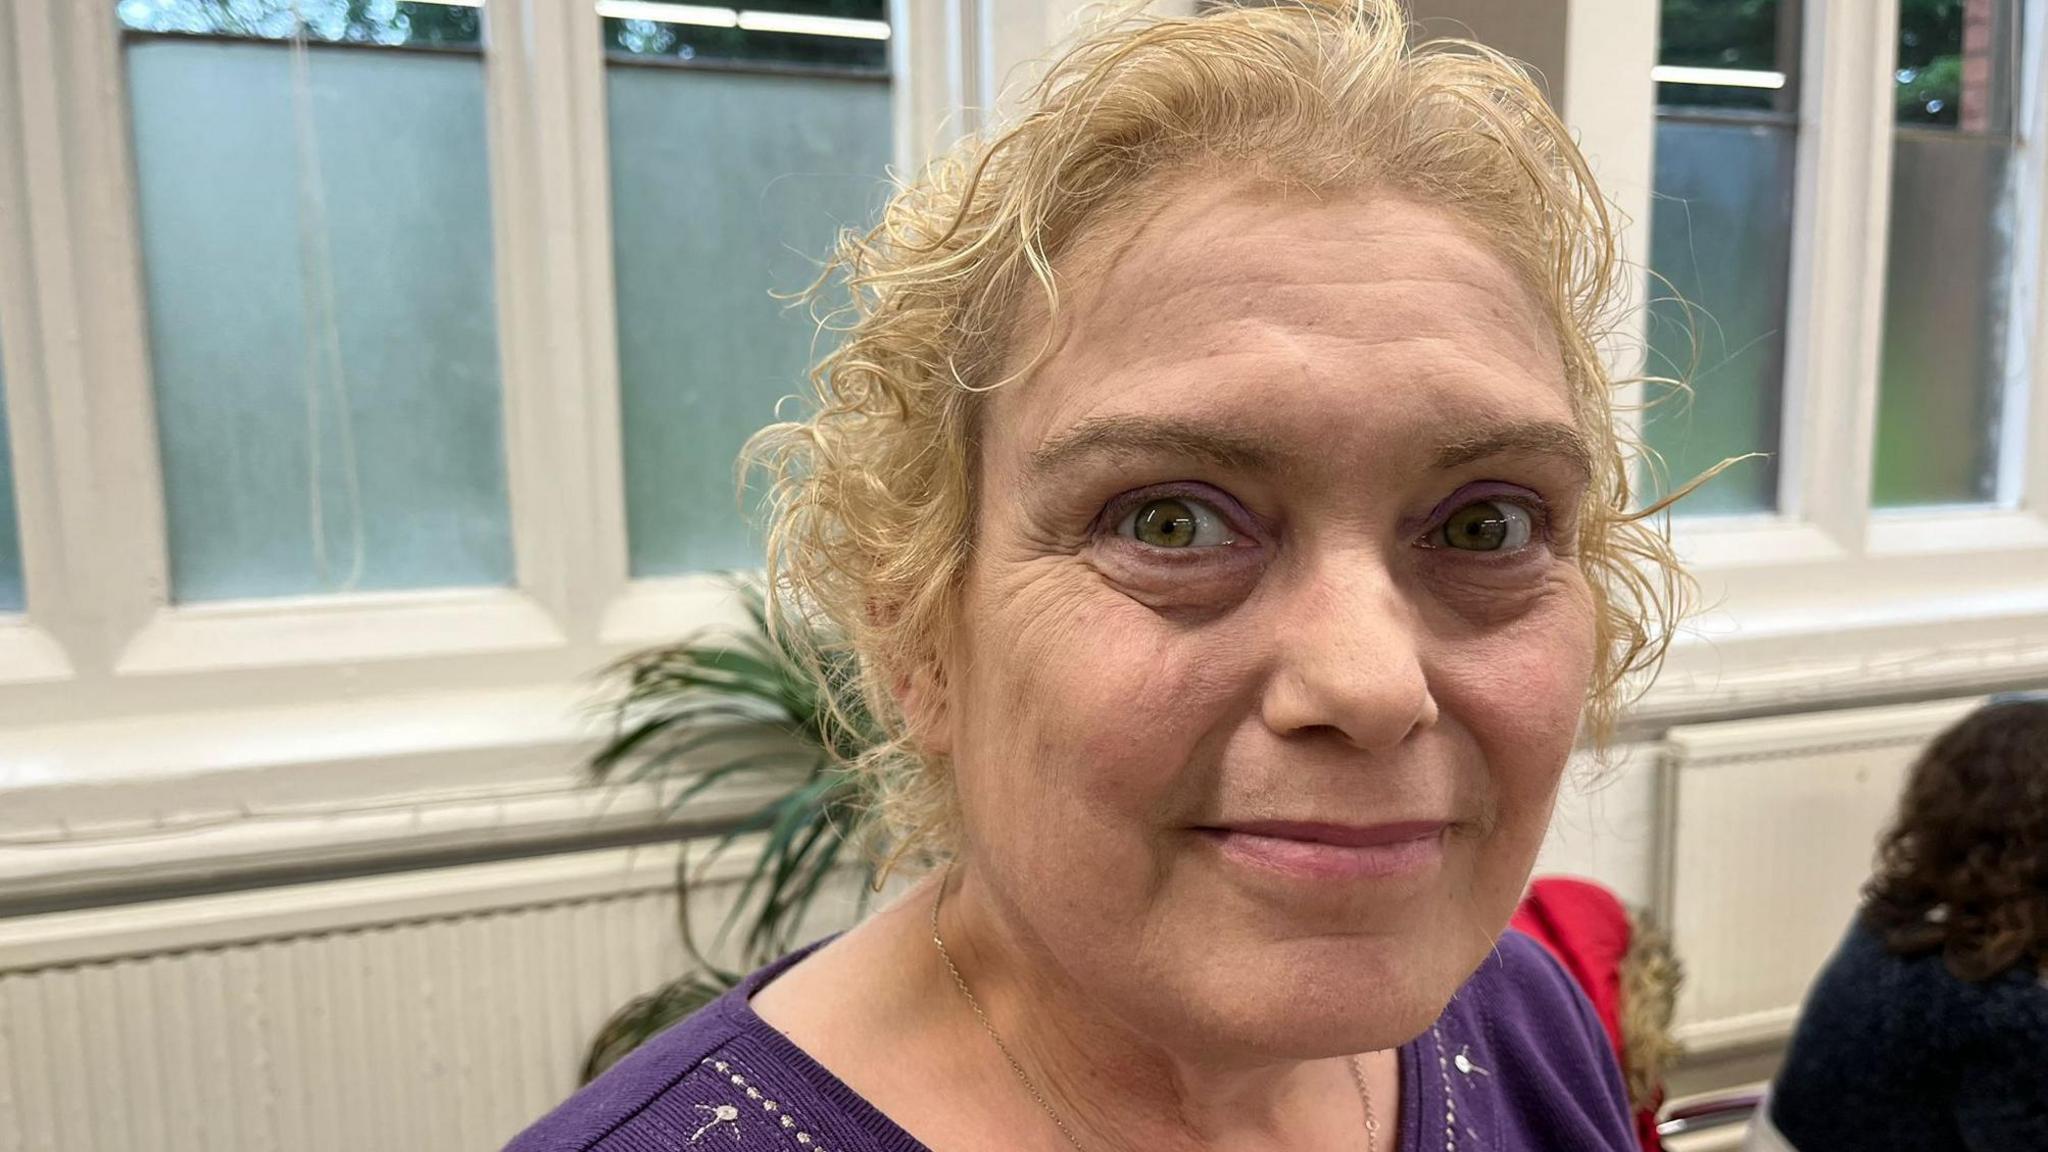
1948	271
1720	235
11	597
725	186
1946	300
226	235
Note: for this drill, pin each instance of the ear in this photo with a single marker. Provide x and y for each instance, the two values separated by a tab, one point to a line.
921	696
918	686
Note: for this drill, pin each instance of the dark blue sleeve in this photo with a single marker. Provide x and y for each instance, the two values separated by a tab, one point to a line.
2002	1096
1868	1066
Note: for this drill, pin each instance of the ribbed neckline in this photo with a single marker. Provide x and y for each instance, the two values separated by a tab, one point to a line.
740	1016
738	1009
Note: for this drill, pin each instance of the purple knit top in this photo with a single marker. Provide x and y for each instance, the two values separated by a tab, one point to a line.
1516	1063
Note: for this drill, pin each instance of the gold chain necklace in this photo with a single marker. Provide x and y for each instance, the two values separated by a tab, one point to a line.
1372	1124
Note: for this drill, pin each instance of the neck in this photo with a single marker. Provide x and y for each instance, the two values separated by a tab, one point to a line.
1117	1086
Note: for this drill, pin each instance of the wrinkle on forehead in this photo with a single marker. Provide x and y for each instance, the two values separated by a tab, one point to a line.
1125	279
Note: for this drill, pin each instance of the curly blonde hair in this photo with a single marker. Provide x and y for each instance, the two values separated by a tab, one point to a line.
871	493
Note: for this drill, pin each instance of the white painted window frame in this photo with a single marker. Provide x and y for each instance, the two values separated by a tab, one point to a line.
75	334
1829	601
343	724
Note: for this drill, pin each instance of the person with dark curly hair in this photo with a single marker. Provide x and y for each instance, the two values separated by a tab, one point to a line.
1928	1030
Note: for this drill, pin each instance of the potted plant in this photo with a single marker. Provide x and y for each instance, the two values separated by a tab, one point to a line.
722	706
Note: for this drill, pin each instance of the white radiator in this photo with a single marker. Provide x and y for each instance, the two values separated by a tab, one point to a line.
436	1011
1770	830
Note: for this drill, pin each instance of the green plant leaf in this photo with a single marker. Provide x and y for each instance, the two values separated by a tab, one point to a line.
792	815
728	706
651	737
791	897
646	1016
779	909
822	865
739	767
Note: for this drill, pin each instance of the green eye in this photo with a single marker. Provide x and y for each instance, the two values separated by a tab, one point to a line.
1486	526
1170	522
1165	524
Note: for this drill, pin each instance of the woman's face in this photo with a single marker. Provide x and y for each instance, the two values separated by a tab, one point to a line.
1273	646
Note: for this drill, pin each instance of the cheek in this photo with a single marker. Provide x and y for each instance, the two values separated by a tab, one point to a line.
1078	704
1518	691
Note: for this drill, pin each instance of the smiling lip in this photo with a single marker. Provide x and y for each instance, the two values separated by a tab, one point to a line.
1332	851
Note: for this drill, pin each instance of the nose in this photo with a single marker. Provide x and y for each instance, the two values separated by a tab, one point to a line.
1350	659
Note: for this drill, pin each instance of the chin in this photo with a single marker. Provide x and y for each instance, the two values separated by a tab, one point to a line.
1314	998
1302	1029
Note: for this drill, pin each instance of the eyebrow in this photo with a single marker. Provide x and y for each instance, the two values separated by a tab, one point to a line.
1540	437
1120	436
1125	436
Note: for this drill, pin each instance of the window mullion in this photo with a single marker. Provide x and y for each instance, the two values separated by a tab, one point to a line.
1842	217
1610	103
934	70
592	399
2023	451
539	321
49	609
99	529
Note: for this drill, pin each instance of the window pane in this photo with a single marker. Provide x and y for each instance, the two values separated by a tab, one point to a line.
385	22
727	186
1727	54
11	595
322	324
1949	267
1720	241
1720	244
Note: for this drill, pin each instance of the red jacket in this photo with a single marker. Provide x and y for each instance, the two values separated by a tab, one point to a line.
1586	927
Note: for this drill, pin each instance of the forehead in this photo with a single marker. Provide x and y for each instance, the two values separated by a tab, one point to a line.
1364	314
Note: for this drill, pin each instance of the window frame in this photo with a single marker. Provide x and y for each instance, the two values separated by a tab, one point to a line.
1829	600
91	491
102	660
93	376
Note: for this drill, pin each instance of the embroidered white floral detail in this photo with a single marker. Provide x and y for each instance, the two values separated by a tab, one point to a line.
720	1114
728	1114
1443	1071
